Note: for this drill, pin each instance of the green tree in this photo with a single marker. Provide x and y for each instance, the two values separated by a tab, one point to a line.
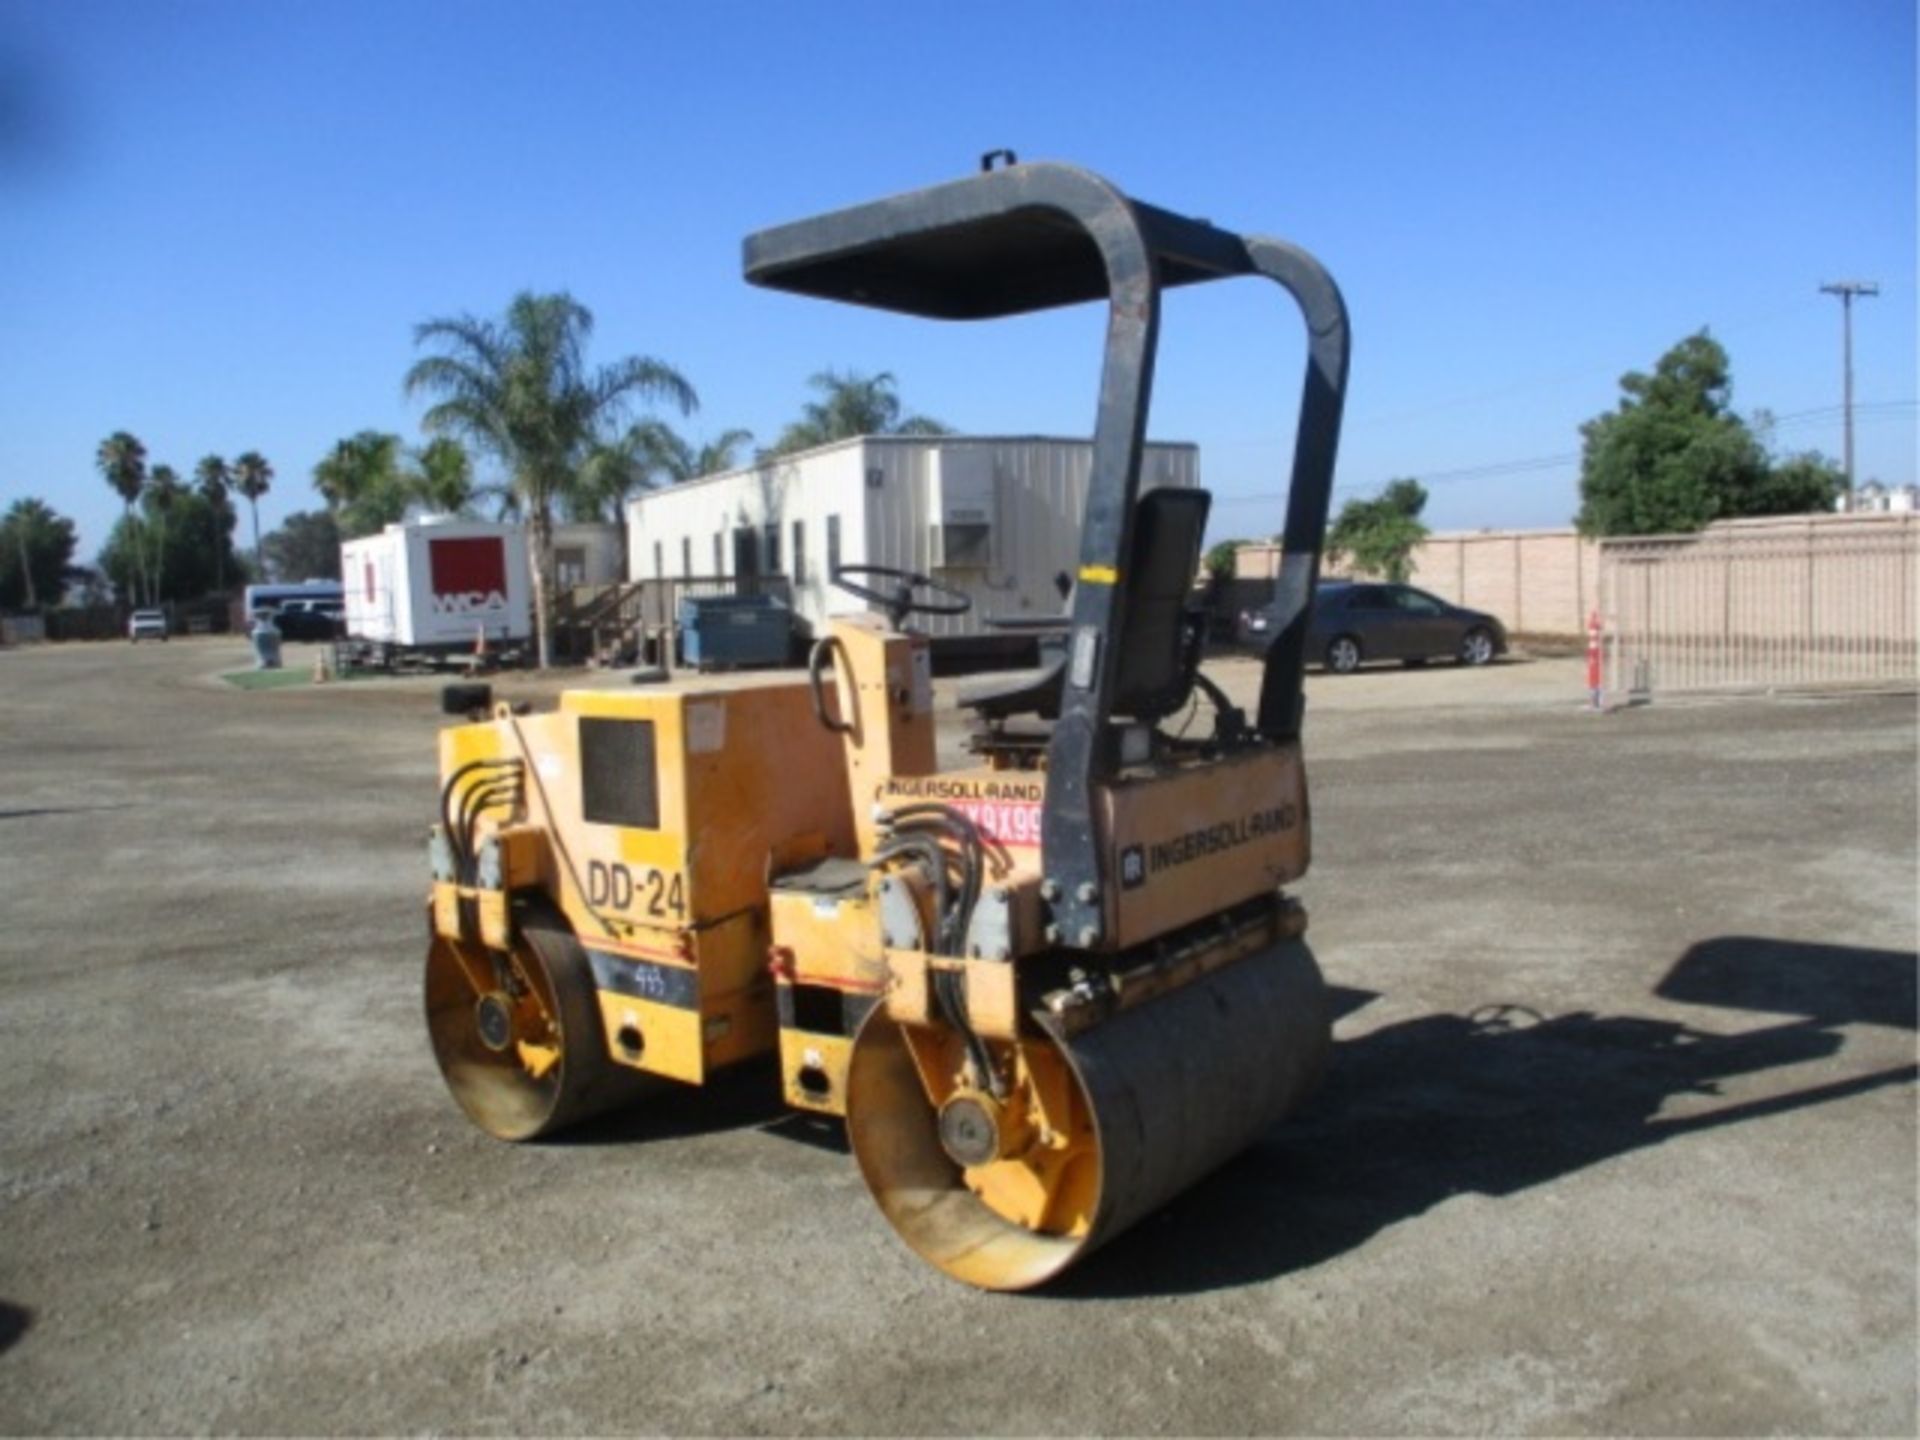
520	389
1798	484
305	547
364	482
123	461
212	479
614	470
646	455
1380	534
684	462
1218	562
36	547
252	477
369	481
1673	456
163	493
851	404
189	547
442	476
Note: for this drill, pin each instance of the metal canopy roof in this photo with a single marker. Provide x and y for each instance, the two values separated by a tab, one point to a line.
1032	237
1006	242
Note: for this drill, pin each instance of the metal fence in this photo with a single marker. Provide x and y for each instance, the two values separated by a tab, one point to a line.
1770	606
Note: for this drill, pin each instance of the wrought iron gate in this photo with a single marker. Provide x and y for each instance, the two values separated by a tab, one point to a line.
1818	603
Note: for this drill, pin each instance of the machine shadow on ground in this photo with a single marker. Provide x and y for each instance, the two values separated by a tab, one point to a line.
35	812
743	1097
15	1321
1500	1100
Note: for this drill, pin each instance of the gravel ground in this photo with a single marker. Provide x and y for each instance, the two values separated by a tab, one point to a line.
1619	1138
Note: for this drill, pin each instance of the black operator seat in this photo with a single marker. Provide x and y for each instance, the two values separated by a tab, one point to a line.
1156	659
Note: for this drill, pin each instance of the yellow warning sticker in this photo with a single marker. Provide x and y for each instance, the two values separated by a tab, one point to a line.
1099	574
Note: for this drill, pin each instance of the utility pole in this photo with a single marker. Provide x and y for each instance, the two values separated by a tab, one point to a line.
1846	290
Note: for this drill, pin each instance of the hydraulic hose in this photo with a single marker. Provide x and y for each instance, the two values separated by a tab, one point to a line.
951	919
473	804
446	798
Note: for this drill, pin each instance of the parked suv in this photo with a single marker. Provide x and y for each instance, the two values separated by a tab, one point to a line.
147	625
1355	622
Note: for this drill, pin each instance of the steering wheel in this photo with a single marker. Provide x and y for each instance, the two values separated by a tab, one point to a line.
900	602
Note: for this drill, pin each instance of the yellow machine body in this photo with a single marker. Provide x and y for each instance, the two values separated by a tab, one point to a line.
650	821
702	869
1047	990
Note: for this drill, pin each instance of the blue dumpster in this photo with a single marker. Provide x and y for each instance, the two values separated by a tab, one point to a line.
719	632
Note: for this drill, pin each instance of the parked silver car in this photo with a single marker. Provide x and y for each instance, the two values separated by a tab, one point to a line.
147	625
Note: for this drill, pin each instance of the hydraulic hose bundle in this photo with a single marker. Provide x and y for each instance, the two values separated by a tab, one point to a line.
498	786
916	832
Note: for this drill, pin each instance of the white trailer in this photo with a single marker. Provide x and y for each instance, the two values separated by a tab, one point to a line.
431	586
997	518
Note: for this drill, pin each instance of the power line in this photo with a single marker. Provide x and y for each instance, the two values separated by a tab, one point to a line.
1751	320
1501	469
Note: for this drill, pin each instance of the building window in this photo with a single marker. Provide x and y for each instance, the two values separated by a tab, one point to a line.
569	566
659	562
719	555
770	548
799	552
833	546
686	557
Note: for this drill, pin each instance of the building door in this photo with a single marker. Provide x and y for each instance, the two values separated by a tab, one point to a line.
746	553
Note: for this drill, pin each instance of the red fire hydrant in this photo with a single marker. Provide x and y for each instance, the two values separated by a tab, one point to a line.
1595	682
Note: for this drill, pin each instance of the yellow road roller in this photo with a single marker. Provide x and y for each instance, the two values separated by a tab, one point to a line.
1045	991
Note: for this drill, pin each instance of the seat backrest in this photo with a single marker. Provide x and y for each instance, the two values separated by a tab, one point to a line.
1154	678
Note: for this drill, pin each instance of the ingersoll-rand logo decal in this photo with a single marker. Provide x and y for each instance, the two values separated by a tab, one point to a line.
468	575
1137	862
1005	810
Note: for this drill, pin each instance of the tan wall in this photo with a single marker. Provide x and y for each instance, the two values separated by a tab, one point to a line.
1538	582
1546	582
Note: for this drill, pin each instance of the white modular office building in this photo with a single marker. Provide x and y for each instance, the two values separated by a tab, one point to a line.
997	518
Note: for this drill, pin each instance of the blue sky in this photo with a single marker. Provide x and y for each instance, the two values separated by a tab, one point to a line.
219	222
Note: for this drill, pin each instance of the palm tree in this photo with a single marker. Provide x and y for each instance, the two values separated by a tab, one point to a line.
614	469
252	476
163	489
123	460
442	476
519	388
211	478
359	468
712	458
648	453
850	405
364	483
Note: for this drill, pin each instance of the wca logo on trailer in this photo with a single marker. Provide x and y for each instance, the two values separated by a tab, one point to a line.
469	575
